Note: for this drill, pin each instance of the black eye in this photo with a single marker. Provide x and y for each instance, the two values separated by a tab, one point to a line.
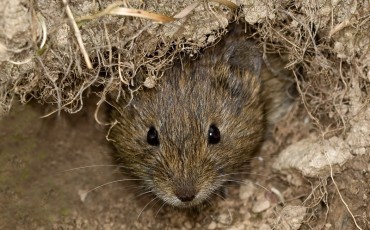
152	137
214	135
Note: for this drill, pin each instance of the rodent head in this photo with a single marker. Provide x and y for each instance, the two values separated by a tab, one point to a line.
199	126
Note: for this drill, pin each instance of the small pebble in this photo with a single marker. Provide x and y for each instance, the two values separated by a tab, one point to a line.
260	206
212	225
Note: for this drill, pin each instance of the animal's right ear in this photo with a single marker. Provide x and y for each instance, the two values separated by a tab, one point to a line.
244	55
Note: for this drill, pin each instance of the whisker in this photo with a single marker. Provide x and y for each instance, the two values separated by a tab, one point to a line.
243	183
91	166
143	193
210	202
111	182
155	198
247	161
272	190
216	193
144	189
236	173
263	187
159	209
133	187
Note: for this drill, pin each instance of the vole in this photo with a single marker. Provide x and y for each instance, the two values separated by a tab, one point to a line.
199	127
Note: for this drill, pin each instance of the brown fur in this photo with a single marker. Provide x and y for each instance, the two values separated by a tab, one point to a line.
221	87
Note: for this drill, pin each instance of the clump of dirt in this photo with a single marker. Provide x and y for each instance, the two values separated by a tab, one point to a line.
57	52
44	58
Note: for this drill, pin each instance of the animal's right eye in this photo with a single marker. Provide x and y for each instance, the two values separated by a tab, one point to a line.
152	137
214	135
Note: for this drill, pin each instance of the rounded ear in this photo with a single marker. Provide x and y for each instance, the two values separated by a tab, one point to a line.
244	55
238	68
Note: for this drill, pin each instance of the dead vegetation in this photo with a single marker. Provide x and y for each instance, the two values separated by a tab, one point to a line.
58	52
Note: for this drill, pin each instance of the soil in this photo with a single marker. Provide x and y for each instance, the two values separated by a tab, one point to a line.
42	186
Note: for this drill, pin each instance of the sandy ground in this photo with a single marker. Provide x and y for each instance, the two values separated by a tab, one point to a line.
36	191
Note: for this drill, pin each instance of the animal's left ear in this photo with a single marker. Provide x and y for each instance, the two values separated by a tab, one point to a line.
244	56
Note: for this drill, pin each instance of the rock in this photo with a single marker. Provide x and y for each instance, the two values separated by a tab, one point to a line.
246	190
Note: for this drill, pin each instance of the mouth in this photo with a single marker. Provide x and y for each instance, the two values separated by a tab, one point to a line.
176	202
202	197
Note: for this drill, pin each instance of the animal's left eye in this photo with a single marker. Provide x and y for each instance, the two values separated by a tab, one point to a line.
152	137
214	135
